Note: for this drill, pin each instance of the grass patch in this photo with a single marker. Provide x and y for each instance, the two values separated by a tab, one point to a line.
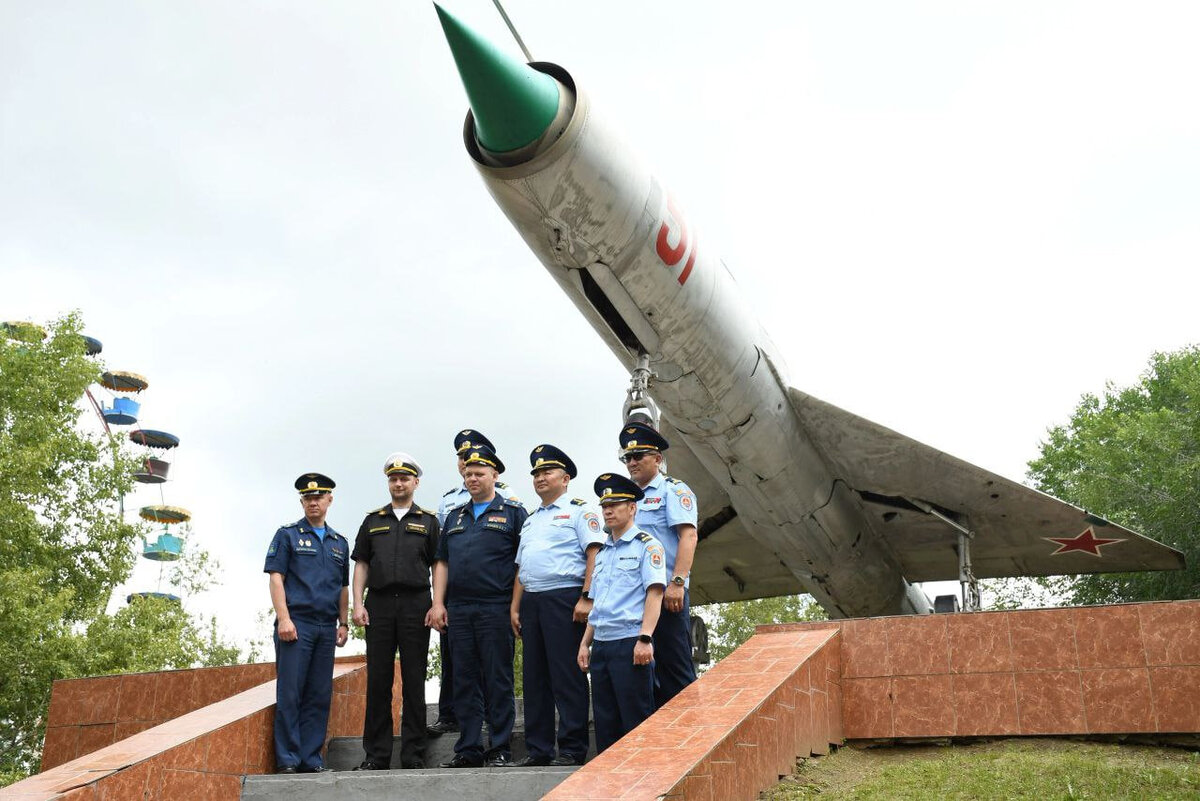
1033	768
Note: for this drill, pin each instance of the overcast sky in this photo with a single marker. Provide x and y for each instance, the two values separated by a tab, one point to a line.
954	219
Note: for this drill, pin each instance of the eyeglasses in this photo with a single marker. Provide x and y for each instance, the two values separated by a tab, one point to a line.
636	456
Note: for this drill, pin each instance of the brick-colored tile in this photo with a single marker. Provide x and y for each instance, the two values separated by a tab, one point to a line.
1050	702
922	706
985	704
1109	637
979	642
694	788
1118	700
864	648
129	783
1176	698
227	748
818	738
1043	639
93	738
1171	632
918	646
61	745
126	729
137	697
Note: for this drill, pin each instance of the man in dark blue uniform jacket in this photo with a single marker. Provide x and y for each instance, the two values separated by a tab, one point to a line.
476	570
308	563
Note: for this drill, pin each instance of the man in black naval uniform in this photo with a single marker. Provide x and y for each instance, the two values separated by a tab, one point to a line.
476	570
308	563
393	554
456	496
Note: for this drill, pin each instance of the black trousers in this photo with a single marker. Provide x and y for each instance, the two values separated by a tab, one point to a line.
397	625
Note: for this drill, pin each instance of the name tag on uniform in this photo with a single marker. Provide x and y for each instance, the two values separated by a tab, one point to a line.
379	530
415	528
651	501
457	530
562	517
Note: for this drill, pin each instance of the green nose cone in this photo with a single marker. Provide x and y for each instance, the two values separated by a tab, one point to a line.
512	103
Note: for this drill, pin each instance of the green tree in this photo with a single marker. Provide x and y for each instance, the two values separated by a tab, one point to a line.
731	624
65	546
1133	455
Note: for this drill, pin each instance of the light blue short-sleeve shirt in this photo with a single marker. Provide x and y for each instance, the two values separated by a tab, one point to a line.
668	503
625	570
553	550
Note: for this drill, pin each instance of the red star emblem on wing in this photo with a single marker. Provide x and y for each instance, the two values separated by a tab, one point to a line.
1087	542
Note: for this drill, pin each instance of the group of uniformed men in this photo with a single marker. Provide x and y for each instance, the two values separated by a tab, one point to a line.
607	598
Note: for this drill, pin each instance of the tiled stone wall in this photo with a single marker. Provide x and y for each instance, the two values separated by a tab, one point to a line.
732	733
1088	670
199	755
89	714
1110	669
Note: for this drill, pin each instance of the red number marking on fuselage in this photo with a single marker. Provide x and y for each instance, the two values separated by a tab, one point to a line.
671	256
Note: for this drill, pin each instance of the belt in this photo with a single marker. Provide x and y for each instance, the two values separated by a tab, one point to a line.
397	592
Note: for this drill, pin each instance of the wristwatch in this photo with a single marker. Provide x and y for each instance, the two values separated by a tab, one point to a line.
678	580
645	638
585	595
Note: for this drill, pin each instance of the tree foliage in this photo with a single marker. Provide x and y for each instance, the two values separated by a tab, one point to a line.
65	546
1133	456
731	624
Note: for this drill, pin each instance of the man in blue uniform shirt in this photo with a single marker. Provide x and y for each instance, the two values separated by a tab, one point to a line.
550	607
455	497
627	586
667	512
475	570
308	563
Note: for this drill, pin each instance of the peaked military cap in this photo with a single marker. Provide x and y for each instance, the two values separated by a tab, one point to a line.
401	462
314	484
544	456
468	438
641	437
616	488
481	454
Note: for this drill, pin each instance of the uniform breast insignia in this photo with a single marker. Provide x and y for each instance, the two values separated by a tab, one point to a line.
378	529
416	528
497	519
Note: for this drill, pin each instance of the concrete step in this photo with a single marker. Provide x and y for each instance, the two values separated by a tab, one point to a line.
431	784
478	784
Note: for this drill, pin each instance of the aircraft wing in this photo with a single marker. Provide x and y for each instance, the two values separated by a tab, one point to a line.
1018	531
730	565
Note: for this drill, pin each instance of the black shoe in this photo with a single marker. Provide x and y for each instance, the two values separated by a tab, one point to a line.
318	769
369	765
563	760
461	761
531	762
441	727
287	769
500	761
413	764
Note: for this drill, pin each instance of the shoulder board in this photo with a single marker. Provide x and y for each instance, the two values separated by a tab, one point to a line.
449	492
511	502
673	480
458	506
578	502
643	536
382	511
287	525
501	485
417	510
